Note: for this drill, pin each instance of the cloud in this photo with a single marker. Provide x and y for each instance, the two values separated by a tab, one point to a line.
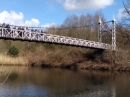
85	4
14	18
49	25
33	22
122	13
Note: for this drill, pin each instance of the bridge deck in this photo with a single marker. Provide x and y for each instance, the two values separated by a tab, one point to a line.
39	36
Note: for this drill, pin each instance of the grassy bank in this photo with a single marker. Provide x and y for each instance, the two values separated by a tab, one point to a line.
57	56
8	60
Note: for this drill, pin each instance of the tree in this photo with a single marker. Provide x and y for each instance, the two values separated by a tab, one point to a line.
13	51
123	28
71	21
127	9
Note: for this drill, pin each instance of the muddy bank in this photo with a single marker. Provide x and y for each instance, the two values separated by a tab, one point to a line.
86	65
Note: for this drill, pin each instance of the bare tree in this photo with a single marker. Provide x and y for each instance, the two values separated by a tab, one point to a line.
83	27
126	18
71	21
127	7
124	26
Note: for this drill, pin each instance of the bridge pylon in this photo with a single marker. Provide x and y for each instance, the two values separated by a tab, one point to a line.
99	30
109	27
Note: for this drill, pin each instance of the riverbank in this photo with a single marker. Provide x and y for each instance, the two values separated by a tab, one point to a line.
60	56
77	65
90	66
9	60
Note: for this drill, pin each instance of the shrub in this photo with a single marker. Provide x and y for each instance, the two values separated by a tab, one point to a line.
114	57
13	51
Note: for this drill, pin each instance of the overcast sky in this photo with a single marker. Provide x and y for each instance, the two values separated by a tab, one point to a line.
54	12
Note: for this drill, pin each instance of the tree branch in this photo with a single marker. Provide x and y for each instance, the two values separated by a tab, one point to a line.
126	8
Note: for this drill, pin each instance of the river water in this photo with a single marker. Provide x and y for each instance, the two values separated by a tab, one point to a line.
38	82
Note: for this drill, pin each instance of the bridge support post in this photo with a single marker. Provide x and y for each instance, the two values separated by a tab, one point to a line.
113	35
99	30
2	32
13	36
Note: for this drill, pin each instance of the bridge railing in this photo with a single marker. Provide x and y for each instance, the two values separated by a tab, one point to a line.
17	33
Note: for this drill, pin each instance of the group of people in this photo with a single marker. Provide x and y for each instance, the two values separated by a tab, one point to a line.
21	30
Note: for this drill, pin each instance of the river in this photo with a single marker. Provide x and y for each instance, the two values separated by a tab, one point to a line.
43	82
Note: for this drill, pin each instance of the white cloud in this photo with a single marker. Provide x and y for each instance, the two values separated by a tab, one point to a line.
85	4
32	22
49	25
122	13
14	18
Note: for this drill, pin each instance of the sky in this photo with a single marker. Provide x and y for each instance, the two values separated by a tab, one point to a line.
45	13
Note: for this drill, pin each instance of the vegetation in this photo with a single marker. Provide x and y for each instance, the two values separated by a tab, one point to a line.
13	51
8	60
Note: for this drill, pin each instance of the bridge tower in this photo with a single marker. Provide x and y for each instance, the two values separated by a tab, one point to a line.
107	27
113	34
99	30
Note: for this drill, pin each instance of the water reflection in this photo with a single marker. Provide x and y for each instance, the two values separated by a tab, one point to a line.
38	82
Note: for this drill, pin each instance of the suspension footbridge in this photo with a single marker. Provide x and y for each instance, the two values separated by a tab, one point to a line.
42	35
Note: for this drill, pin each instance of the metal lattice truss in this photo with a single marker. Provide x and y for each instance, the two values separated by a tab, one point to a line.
106	27
39	36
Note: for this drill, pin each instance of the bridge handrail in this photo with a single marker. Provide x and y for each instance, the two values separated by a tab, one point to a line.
83	42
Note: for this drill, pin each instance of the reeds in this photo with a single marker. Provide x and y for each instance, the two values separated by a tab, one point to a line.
8	60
